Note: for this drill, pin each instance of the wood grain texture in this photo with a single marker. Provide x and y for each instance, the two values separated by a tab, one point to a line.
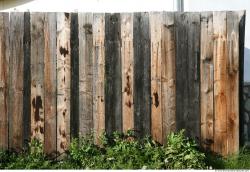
206	75
155	20
232	87
85	73
127	63
98	74
37	76
63	81
50	83
187	73
220	82
142	90
168	74
113	82
4	73
16	81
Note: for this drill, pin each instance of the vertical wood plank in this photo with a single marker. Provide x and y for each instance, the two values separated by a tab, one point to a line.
85	73
206	75
155	20
98	74
37	76
220	82
142	100
63	81
232	85
113	83
168	74
74	101
127	63
188	79
16	81
50	83
4	73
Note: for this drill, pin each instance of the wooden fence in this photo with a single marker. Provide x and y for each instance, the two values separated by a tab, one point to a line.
66	74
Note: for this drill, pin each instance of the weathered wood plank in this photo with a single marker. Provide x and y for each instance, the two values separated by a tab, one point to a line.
16	81
74	103
4	84
232	86
127	63
206	75
220	82
63	81
155	20
85	73
98	74
37	75
187	73
113	82
168	74
50	83
142	100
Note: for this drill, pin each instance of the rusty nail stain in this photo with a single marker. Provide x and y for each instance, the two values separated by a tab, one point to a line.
156	99
63	51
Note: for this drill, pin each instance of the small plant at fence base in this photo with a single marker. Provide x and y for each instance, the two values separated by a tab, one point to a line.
118	151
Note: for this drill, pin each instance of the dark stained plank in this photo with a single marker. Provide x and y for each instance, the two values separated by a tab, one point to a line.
85	21
4	73
16	81
98	75
187	73
74	103
142	100
50	136
63	81
37	75
155	20
127	63
113	83
168	74
206	75
220	82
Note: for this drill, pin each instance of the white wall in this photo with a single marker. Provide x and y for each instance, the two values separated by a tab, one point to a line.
219	5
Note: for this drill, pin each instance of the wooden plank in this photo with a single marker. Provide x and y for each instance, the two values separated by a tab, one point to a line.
4	73
50	83
127	62
113	82
220	82
37	76
63	81
27	79
98	75
168	74
232	85
85	73
206	75
74	103
155	20
16	81
142	100
188	79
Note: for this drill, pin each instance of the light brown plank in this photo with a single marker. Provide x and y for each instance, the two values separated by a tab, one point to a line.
220	82
37	76
127	71
63	81
16	81
206	88
155	20
232	87
50	83
98	74
4	73
85	73
168	75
